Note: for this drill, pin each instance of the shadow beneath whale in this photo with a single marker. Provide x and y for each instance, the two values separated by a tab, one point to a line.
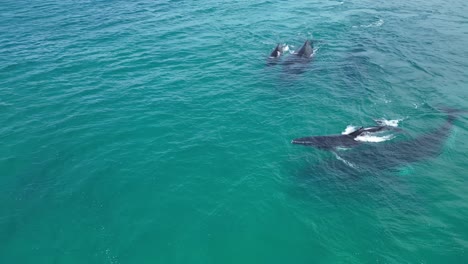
330	183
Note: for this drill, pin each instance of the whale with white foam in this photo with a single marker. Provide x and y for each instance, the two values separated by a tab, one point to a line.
350	138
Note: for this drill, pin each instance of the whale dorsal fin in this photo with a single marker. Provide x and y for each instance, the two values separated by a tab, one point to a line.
357	132
306	50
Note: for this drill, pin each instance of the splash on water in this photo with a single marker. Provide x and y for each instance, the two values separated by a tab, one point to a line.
370	137
344	161
377	23
348	130
375	137
385	122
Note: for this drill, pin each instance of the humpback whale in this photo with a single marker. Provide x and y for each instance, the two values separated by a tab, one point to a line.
332	142
380	157
297	62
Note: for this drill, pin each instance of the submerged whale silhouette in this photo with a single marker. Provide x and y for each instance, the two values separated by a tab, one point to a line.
332	142
298	61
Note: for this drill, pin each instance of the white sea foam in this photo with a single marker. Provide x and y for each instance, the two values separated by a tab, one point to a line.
342	148
344	161
367	137
349	129
314	51
385	122
286	48
377	23
376	136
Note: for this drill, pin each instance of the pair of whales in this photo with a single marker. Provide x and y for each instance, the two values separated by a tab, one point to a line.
388	155
304	52
297	61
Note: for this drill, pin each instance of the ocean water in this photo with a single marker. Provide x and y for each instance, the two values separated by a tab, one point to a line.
154	132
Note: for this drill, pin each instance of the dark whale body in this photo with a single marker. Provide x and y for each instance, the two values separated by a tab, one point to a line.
393	154
275	55
332	142
381	157
305	51
298	61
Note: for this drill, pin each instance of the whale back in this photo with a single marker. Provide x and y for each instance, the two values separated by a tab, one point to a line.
357	132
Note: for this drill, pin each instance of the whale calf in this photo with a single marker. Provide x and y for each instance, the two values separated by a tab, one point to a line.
275	55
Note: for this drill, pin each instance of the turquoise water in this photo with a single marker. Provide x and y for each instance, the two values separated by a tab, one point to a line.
154	132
